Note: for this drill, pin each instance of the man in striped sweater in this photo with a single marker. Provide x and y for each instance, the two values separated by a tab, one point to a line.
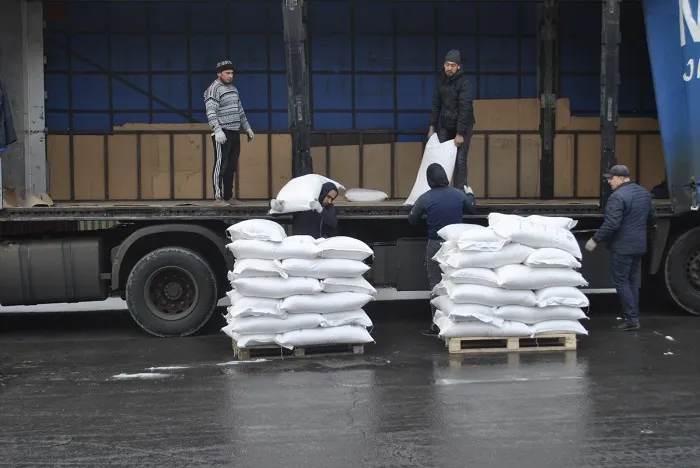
226	116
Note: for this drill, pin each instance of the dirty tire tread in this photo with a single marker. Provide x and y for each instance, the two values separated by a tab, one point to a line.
206	282
674	271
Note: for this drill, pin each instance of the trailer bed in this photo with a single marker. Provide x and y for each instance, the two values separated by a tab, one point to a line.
204	209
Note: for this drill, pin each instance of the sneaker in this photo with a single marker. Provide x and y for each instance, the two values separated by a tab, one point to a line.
626	326
432	331
232	201
220	202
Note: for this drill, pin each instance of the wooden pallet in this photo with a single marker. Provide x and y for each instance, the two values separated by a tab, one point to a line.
278	352
499	344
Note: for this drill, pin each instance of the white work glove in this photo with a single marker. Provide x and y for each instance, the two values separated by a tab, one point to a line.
250	133
468	189
591	245
220	137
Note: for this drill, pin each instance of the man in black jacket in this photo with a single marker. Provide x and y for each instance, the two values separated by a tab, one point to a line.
443	205
323	224
628	215
453	105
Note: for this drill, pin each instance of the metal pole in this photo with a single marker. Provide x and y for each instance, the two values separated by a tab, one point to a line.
609	83
547	72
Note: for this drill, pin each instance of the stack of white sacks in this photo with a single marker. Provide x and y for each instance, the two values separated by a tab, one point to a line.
515	278
296	290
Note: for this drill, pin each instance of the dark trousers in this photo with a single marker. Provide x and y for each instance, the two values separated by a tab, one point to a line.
225	164
462	153
625	278
433	267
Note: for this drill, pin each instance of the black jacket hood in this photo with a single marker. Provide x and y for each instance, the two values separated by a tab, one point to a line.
437	177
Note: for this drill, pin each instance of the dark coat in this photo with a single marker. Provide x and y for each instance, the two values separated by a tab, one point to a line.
443	205
7	128
315	224
453	103
628	214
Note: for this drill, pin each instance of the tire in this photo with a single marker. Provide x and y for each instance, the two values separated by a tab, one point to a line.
682	271
171	292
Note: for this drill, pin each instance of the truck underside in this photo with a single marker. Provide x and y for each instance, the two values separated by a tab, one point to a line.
114	231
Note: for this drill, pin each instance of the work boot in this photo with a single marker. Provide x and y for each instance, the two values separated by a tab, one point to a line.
626	325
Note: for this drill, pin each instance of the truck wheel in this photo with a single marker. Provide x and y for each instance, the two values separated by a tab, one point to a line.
682	271
171	292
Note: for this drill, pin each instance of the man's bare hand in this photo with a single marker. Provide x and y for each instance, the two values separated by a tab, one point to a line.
459	139
431	132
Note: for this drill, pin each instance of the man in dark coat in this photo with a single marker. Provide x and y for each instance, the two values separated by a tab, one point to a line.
443	205
453	106
628	215
323	224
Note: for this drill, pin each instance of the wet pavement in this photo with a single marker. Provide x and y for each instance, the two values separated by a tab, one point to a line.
92	390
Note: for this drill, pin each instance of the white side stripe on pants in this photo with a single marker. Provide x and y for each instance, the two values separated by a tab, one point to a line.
217	173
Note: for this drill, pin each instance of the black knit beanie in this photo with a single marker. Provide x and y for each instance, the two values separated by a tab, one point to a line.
224	65
453	56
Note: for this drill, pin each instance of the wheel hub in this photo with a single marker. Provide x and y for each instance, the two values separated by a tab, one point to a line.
171	293
692	270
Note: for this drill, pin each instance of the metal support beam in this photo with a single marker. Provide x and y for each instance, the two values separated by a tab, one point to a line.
547	51
293	15
609	83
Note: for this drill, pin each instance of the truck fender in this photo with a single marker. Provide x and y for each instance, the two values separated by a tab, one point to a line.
158	229
658	247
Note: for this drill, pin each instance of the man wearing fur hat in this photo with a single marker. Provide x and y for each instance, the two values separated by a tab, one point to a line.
453	107
226	117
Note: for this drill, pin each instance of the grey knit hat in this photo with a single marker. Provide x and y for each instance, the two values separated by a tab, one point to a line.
224	65
453	56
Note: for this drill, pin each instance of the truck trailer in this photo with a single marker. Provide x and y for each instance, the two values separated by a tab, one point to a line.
107	191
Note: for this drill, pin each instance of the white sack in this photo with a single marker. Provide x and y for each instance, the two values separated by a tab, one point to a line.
525	277
485	295
561	295
471	275
510	253
300	194
537	235
351	317
481	239
466	312
256	229
290	247
452	232
347	334
532	315
276	288
343	247
254	267
252	307
435	152
365	195
357	285
450	329
275	325
246	341
559	326
553	221
548	257
323	267
324	302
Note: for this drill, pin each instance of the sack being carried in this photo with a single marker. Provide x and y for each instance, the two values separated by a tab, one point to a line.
435	152
300	194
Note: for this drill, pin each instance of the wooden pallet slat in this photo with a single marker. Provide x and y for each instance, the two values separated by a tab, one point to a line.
501	344
278	352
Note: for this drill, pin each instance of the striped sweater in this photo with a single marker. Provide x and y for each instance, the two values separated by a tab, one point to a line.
224	108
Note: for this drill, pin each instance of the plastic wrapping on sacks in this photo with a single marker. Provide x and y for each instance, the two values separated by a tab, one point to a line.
532	315
256	229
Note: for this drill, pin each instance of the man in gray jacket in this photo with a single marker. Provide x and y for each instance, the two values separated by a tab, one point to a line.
628	215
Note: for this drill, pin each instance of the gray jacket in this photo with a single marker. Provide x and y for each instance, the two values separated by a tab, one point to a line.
7	128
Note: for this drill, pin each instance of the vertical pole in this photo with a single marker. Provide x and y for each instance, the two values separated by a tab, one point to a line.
547	87
297	85
609	83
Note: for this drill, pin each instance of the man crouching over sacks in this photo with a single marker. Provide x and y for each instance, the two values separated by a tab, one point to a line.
628	215
443	205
